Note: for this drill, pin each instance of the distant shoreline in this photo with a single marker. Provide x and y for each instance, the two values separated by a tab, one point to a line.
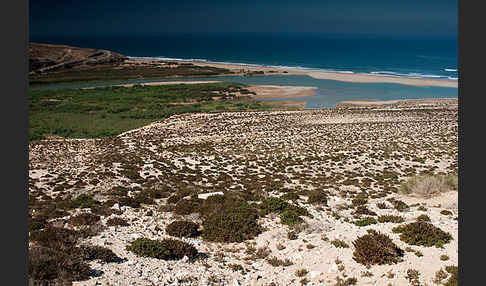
240	69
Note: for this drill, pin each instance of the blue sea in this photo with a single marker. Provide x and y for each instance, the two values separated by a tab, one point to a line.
434	58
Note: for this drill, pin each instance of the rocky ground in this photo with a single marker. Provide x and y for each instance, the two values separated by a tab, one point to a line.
345	151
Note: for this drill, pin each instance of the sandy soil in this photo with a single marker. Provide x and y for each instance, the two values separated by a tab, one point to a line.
342	151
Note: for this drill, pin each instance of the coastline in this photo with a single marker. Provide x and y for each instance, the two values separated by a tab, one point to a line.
241	69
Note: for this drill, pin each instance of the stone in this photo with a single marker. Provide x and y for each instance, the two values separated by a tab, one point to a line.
207	195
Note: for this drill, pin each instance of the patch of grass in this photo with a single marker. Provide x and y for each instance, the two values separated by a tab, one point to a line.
376	248
365	221
390	218
290	217
423	234
181	228
84	201
166	249
109	111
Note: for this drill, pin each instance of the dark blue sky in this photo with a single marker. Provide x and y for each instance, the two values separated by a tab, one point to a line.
424	18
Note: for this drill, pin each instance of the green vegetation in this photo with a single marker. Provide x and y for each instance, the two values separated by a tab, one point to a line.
376	248
317	198
289	213
391	218
109	73
108	111
454	279
84	219
167	249
51	265
275	262
235	223
365	221
423	217
116	221
98	252
84	201
181	228
339	243
423	234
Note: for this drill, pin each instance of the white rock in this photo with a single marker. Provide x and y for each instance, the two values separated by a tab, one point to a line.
314	274
207	195
333	268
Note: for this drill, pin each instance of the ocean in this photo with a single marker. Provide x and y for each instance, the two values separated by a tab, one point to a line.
400	57
406	57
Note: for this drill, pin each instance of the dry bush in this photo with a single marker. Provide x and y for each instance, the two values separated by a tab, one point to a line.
428	186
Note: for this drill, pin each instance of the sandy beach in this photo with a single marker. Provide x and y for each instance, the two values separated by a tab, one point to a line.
346	77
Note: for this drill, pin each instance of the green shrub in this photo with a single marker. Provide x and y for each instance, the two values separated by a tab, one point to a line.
84	219
185	207
235	224
37	223
339	243
273	205
382	205
423	234
398	205
423	217
363	210
116	221
167	249
391	218
98	252
317	198
290	217
290	197
49	266
358	201
183	229
365	221
292	235
445	212
84	201
376	248
56	238
454	279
